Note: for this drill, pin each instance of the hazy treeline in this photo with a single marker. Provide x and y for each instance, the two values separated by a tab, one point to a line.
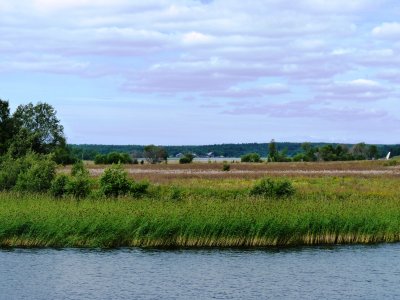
89	152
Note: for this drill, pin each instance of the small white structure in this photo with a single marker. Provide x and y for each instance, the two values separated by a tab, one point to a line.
388	156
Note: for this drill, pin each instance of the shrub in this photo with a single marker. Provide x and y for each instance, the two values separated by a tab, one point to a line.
390	163
79	168
187	159
100	159
138	189
79	186
33	172
226	167
40	172
113	158
115	182
267	187
251	157
59	186
10	169
175	193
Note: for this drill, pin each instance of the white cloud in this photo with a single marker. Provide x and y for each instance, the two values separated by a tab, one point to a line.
387	30
196	38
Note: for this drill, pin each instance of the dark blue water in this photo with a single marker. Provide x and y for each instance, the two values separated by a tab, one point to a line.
343	272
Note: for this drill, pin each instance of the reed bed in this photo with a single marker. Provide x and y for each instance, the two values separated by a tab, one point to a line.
209	213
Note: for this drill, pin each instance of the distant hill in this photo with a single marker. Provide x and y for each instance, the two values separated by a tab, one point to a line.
88	152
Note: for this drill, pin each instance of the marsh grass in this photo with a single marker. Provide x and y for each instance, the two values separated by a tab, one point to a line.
209	213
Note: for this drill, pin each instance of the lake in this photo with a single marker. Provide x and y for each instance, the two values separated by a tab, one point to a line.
339	272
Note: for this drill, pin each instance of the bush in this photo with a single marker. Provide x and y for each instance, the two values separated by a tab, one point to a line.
113	158
251	157
115	182
390	163
138	189
267	187
226	167
33	172
187	159
59	186
175	193
38	175
79	168
10	169
79	186
100	159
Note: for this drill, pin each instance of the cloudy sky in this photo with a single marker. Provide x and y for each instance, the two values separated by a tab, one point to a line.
201	72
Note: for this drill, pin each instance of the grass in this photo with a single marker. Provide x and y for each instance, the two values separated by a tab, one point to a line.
203	212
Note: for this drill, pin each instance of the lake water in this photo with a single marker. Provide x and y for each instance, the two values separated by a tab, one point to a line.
340	272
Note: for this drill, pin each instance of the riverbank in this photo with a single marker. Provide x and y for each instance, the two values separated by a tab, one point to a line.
204	213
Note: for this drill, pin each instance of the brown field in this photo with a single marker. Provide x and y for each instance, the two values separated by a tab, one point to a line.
165	173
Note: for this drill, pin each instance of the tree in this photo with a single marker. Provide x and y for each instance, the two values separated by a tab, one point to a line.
309	152
359	151
372	152
154	154
6	126
38	128
272	151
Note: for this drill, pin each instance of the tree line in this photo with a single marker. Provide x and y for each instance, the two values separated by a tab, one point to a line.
284	151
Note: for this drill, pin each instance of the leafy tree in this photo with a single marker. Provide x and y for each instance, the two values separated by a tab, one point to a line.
309	152
38	129
359	151
372	152
272	151
6	126
154	154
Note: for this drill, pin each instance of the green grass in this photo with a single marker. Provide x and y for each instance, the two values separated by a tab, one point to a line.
209	214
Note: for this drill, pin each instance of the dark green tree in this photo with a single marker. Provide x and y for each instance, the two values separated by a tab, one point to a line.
37	128
272	151
373	152
6	126
154	154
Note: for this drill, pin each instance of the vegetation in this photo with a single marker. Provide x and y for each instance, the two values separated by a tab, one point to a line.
186	159
32	129
270	188
78	185
30	173
251	157
154	154
115	182
312	204
204	213
113	158
294	151
226	167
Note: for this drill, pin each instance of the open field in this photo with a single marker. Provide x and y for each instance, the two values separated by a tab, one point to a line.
165	173
206	209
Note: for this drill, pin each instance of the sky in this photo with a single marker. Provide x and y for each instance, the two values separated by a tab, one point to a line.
197	72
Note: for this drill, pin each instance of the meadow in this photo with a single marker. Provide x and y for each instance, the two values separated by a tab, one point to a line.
199	205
